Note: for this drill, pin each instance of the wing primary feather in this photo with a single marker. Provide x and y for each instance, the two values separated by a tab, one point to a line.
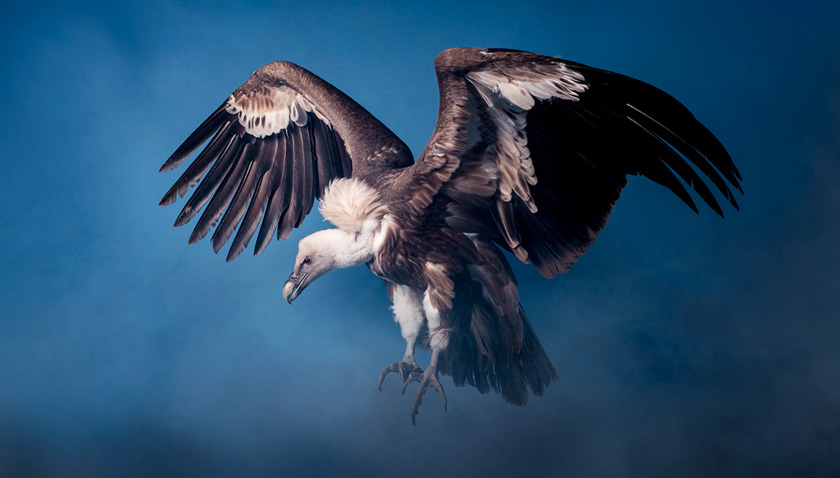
285	190
241	198
668	154
305	157
269	224
198	167
231	216
701	160
659	172
258	200
197	138
223	195
210	183
679	120
293	155
655	103
251	220
273	208
271	219
661	160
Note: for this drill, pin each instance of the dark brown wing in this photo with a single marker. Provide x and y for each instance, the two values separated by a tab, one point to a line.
533	151
277	142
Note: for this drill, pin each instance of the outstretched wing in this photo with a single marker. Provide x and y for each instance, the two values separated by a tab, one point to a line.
277	141
533	151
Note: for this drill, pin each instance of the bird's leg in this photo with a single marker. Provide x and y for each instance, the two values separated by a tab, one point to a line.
438	341
408	313
428	379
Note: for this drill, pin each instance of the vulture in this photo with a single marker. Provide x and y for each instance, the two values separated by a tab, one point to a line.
529	155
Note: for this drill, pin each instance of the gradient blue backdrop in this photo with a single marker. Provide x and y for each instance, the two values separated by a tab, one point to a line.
687	345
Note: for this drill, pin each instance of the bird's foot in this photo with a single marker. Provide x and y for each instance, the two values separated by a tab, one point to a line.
429	379
407	368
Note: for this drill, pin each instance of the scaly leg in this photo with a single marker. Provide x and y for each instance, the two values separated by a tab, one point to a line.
438	341
429	379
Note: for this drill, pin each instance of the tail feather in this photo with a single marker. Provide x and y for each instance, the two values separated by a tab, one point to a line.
493	345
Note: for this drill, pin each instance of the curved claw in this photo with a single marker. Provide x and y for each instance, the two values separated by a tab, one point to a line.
414	376
430	378
407	368
394	367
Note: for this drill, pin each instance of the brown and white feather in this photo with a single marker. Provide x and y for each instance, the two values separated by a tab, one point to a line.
278	140
269	109
533	151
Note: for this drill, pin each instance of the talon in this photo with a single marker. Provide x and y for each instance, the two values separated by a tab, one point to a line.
407	368
385	371
430	378
414	376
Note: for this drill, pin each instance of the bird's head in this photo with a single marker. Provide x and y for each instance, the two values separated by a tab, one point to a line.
324	251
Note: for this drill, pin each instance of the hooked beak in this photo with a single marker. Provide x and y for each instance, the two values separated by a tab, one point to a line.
293	287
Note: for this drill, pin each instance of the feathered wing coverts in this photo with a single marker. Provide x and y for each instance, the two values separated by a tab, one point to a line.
546	145
275	144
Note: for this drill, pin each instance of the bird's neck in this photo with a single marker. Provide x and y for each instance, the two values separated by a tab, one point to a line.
346	249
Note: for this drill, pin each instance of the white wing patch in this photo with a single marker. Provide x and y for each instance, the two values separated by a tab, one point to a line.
508	100
561	83
271	110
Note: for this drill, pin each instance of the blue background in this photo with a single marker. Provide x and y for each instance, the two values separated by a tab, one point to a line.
687	345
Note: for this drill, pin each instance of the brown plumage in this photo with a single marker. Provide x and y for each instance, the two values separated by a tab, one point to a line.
529	154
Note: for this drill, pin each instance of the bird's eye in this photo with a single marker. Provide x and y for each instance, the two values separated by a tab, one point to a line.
305	261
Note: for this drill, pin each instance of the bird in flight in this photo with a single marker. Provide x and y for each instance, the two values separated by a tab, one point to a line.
528	155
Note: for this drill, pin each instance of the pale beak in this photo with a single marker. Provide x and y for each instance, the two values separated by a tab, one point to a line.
293	287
